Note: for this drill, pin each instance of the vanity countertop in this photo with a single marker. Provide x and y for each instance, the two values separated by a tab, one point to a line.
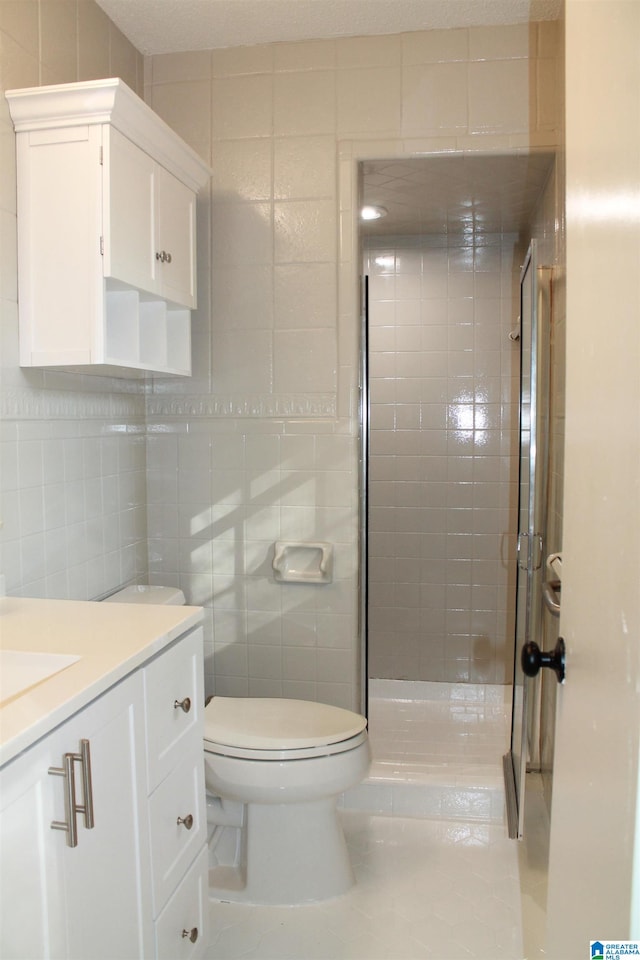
110	640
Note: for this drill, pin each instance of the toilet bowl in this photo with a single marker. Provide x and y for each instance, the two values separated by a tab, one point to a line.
274	770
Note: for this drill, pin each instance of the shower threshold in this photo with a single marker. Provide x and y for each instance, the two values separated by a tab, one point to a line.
436	750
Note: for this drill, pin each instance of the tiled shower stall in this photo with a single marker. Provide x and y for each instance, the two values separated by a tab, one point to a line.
443	492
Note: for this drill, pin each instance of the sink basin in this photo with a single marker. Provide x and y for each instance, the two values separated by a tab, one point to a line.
19	671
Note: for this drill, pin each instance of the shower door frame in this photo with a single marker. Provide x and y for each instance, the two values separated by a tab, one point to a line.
363	497
532	521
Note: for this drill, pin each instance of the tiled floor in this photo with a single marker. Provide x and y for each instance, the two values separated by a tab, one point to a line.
425	889
437	876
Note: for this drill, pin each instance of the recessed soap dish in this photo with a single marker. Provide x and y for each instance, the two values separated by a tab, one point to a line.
304	562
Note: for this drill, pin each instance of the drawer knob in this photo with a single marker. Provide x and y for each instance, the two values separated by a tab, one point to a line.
186	821
191	934
182	704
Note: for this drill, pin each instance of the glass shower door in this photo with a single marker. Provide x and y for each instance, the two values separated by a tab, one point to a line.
534	413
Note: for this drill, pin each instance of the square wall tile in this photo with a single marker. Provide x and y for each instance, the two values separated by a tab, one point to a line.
236	370
93	42
304	55
242	233
304	231
435	99
186	108
304	167
305	295
236	61
369	101
304	103
514	41
242	170
241	106
434	46
59	39
242	296
500	97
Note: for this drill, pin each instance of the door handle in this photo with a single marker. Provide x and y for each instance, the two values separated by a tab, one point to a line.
533	658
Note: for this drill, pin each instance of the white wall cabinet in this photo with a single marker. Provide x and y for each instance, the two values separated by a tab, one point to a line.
150	219
135	885
106	231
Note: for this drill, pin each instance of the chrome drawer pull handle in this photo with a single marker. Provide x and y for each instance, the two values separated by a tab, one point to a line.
182	704
186	821
87	785
72	807
70	825
191	934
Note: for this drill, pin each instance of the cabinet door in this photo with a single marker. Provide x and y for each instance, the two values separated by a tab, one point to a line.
60	267
32	895
92	900
129	216
107	876
176	239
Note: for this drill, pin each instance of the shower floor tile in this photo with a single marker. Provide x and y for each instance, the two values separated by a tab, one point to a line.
436	757
425	889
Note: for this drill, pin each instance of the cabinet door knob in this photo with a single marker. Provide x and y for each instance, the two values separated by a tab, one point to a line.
182	704
168	258
186	821
191	934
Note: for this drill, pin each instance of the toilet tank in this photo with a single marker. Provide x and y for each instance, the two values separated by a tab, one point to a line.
148	594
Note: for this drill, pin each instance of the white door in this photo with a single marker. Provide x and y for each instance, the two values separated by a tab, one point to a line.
594	893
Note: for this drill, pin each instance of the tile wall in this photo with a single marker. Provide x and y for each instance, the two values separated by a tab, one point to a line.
72	448
443	466
262	442
272	411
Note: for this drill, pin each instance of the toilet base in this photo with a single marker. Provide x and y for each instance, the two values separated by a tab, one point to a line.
290	854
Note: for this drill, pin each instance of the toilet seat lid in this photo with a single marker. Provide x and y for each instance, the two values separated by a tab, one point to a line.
263	723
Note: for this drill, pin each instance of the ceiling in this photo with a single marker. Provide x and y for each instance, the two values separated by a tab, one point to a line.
462	197
171	26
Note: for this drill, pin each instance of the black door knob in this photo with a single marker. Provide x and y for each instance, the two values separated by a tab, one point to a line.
533	658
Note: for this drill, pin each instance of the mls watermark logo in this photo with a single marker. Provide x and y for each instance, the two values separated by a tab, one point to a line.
614	949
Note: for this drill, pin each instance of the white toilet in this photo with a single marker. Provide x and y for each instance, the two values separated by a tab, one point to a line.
274	770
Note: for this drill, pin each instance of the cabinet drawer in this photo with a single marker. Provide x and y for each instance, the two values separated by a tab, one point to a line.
174	698
186	914
174	844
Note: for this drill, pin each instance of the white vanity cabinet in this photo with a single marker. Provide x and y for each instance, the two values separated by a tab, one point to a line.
106	231
135	883
89	900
